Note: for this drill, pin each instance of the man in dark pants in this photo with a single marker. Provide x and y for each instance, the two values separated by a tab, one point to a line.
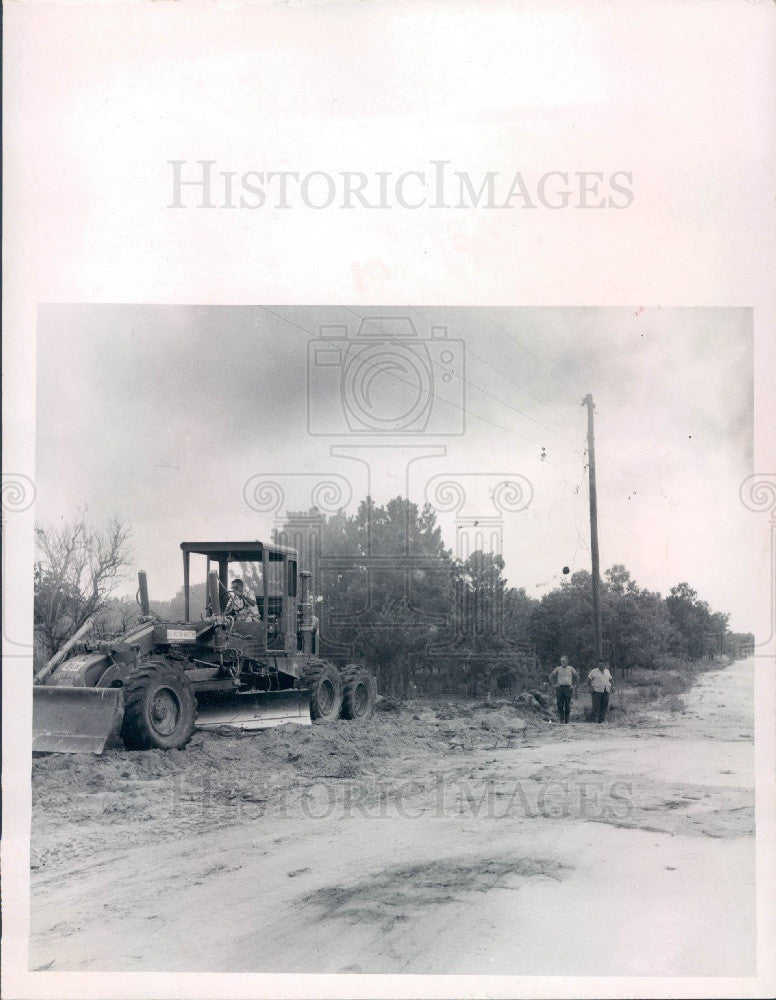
564	677
600	681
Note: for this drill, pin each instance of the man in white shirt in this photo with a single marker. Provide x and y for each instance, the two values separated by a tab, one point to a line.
600	681
564	677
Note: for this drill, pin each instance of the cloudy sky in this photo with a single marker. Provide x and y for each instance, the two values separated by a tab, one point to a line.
162	414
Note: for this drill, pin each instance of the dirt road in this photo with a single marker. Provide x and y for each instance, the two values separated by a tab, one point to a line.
439	840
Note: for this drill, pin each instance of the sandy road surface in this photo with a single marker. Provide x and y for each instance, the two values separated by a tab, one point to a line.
436	841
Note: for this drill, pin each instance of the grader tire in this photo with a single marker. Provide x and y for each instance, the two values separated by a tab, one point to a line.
360	695
159	708
325	684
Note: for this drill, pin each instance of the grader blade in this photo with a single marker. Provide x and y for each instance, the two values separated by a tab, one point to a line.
254	711
75	719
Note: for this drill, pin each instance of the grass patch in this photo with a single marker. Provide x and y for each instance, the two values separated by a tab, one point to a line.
663	685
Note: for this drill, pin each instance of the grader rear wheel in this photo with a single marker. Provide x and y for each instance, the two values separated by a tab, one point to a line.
360	693
325	684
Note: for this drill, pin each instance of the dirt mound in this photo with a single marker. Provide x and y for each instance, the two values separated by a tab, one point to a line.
222	774
387	705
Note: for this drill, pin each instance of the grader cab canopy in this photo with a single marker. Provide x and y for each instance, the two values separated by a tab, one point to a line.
276	567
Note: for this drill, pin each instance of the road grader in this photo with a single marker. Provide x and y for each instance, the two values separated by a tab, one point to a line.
153	684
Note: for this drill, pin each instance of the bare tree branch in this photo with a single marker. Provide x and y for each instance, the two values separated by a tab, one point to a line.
77	569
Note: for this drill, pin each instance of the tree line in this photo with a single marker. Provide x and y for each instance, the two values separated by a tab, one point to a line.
393	596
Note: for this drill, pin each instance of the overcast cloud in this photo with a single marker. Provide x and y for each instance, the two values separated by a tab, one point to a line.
160	414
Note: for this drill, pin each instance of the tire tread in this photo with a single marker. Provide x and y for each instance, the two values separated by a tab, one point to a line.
312	676
134	731
352	673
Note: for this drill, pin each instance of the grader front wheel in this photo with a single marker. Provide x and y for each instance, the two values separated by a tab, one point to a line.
159	708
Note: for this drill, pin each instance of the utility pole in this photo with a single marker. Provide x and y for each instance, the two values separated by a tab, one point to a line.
588	402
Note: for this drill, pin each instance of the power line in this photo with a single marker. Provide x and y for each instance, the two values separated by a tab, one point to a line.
461	378
499	326
517	385
504	375
573	447
521	345
414	385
